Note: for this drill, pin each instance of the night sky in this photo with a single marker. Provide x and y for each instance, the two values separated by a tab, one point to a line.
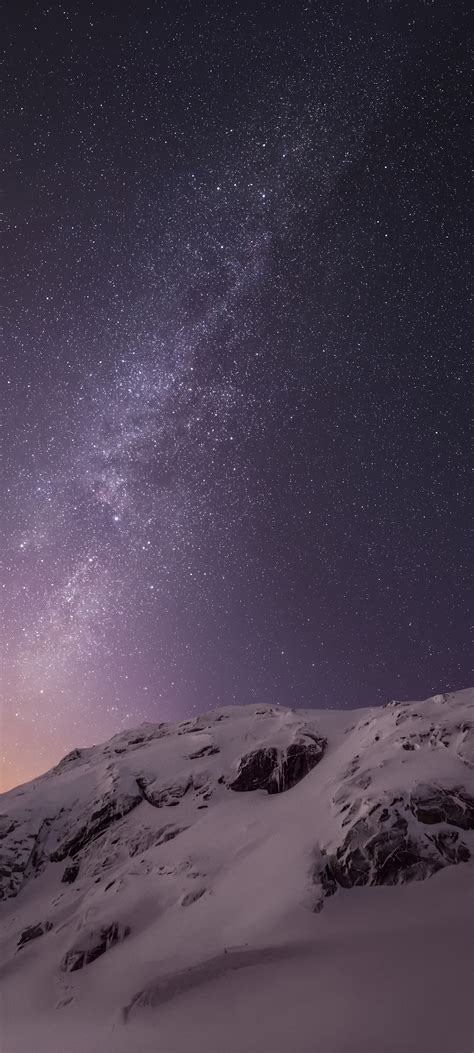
235	359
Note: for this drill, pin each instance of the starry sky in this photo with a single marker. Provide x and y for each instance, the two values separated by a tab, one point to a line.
235	362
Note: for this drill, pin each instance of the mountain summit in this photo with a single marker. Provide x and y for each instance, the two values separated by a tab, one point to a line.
255	880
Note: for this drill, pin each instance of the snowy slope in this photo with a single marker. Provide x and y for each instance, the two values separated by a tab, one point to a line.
257	879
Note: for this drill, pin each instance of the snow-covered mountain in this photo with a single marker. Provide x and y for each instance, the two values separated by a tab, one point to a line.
257	879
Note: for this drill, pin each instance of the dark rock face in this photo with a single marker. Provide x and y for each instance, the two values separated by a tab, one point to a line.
11	876
451	848
71	872
277	770
33	931
111	809
7	826
37	858
432	804
389	857
21	858
205	751
466	748
382	851
93	945
169	834
256	770
191	897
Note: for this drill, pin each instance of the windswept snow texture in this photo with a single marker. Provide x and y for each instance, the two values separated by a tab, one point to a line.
257	880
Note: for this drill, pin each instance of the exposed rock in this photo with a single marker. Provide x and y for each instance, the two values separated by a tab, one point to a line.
112	808
11	877
71	872
169	833
7	826
450	847
203	785
33	931
191	897
21	859
37	859
92	945
432	804
387	858
257	770
141	840
382	851
351	813
363	780
63	1002
466	748
276	770
352	768
205	751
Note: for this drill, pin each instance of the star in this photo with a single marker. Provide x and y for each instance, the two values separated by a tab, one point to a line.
237	368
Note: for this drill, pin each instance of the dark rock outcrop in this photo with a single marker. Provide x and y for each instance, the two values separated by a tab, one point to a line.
192	896
383	851
257	770
110	811
11	875
205	751
21	858
432	804
37	858
7	826
33	931
93	945
276	770
169	834
71	872
450	847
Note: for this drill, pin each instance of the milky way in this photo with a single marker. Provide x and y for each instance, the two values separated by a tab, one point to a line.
235	364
